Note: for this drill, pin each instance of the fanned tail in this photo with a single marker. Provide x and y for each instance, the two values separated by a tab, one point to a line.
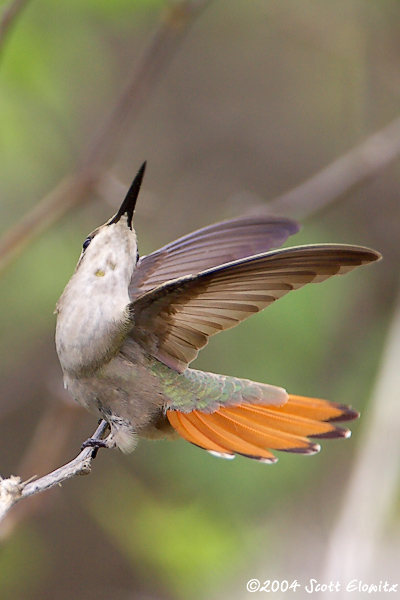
253	430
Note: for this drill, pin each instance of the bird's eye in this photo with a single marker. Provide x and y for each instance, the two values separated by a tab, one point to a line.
86	243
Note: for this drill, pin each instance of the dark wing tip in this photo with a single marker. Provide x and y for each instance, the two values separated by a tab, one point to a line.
348	252
368	255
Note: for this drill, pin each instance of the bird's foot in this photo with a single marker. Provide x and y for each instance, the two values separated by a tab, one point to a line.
96	444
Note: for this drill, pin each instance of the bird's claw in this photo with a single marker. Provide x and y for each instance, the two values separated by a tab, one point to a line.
95	444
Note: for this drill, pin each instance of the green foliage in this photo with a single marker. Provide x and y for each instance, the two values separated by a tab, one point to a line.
22	564
183	543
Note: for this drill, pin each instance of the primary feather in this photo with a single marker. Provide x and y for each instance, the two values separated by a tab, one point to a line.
174	320
210	247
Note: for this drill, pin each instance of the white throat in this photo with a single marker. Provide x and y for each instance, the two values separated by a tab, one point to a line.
92	311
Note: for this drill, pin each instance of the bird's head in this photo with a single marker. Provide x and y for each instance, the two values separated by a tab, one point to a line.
110	252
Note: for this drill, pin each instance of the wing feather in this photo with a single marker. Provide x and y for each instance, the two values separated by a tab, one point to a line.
175	320
209	247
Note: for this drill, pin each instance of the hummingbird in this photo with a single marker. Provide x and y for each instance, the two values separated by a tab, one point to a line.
128	327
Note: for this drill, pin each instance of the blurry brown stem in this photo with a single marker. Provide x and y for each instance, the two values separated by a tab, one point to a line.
69	192
13	490
174	25
74	190
8	18
356	166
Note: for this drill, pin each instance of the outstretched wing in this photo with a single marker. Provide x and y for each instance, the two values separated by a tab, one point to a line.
175	320
210	247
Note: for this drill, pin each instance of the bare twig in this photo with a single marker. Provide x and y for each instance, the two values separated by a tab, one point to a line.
8	19
74	189
12	490
372	487
69	192
52	434
356	166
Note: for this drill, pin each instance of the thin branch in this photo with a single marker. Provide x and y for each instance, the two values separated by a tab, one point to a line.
13	489
358	165
374	482
140	84
8	18
69	192
52	434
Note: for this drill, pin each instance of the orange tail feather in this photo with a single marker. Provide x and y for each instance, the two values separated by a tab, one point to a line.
254	429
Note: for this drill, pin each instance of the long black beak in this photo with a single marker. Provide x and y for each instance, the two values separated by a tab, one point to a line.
128	205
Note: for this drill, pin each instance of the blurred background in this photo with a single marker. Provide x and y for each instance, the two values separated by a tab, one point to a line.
233	104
